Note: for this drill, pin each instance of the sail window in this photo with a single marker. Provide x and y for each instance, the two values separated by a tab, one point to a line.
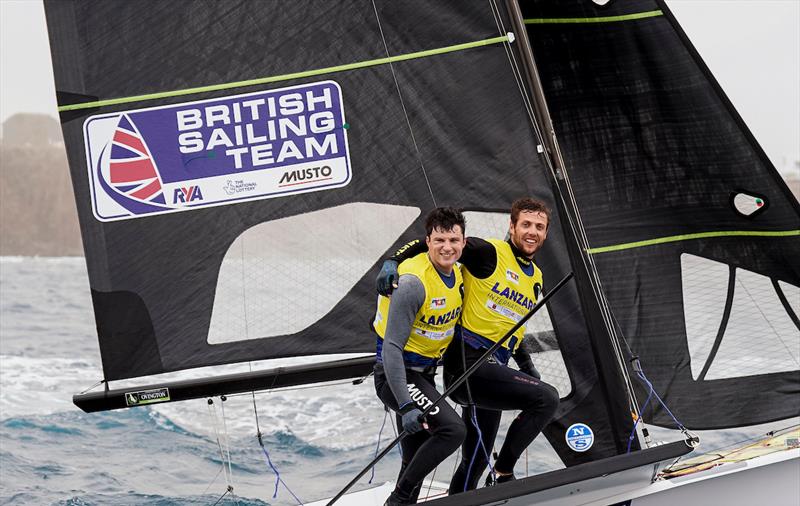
280	277
736	323
540	337
748	204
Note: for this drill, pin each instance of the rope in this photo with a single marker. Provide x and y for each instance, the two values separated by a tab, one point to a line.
430	483
636	423
227	444
229	489
213	413
278	479
474	419
378	444
95	386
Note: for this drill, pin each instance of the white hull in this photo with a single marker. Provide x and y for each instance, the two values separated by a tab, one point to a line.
772	479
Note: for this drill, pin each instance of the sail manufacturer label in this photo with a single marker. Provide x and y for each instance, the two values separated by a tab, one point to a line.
147	397
216	152
579	437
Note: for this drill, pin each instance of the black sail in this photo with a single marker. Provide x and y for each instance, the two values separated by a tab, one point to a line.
694	235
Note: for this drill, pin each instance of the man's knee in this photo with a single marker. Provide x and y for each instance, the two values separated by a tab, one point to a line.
455	432
550	399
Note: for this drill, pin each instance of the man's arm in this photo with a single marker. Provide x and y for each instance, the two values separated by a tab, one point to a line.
525	364
479	257
406	301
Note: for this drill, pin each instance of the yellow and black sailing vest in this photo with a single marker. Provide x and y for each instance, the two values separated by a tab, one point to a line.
495	304
434	322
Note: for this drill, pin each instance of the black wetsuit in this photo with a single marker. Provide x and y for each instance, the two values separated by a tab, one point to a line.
494	387
423	451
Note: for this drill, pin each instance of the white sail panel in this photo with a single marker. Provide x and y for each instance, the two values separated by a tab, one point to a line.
760	337
705	288
272	271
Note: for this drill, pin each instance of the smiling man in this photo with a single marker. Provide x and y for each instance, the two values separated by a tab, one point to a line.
501	284
414	328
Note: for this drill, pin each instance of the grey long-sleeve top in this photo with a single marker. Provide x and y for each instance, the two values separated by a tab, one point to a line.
407	298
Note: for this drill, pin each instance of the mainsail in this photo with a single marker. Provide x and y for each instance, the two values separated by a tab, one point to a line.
295	144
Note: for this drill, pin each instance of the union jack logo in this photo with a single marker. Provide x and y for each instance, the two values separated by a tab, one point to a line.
131	169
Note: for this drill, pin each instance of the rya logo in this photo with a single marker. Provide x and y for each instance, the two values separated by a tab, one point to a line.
186	195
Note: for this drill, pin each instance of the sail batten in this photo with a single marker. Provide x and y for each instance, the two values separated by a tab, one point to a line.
689	237
286	77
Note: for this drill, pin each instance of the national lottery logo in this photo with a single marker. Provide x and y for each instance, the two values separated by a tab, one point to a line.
579	437
180	157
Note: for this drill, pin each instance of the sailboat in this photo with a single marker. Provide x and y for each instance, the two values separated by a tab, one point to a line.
242	168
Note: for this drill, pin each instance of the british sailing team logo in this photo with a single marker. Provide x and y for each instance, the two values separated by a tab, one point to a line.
130	172
219	151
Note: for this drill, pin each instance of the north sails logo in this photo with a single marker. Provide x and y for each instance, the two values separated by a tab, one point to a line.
147	397
305	176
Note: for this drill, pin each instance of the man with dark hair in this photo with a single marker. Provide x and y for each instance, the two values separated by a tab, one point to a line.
501	284
414	328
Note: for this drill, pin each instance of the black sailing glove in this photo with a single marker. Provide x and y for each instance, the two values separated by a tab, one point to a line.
412	418
387	278
523	360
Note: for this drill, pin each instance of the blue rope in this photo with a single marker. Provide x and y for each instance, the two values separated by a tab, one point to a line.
278	479
479	444
651	393
378	445
644	378
641	411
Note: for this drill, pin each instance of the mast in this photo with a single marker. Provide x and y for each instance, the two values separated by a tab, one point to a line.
586	273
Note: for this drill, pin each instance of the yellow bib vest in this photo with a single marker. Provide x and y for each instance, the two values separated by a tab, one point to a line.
434	322
495	304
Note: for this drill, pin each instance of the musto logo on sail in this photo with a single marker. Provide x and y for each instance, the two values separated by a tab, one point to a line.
217	152
579	437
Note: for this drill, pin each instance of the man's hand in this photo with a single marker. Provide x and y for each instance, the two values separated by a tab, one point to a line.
412	422
387	278
530	370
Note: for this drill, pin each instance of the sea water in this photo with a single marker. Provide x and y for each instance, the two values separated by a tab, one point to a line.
188	452
53	453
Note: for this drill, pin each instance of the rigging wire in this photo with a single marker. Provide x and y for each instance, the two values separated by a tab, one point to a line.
213	481
402	103
227	491
227	444
213	414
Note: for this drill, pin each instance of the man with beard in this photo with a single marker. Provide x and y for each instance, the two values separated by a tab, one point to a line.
501	285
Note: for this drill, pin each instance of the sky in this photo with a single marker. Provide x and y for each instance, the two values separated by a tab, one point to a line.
751	46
